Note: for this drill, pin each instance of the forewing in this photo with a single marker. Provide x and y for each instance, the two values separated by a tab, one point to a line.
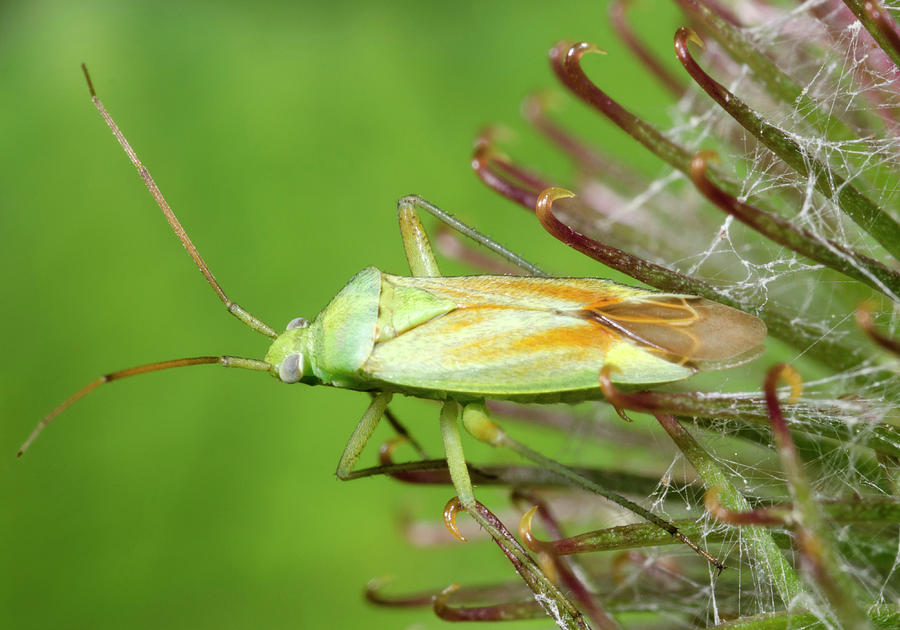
686	329
512	336
565	294
501	350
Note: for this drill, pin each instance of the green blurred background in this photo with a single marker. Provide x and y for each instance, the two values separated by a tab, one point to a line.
283	134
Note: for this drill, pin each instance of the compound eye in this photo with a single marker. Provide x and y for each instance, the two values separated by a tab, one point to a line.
297	322
291	370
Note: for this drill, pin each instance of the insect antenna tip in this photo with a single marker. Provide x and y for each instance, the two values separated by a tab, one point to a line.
87	77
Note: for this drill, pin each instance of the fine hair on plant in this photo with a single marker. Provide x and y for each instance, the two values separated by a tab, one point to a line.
775	190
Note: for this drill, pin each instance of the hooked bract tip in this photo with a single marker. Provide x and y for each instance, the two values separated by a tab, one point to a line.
525	529
699	162
386	450
590	47
548	196
691	35
792	377
439	600
708	155
450	511
537	103
565	48
711	501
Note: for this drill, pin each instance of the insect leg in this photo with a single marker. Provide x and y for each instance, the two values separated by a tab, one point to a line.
422	264
415	242
456	459
547	593
479	424
361	435
418	247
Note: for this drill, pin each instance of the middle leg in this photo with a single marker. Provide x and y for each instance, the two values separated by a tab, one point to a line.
554	602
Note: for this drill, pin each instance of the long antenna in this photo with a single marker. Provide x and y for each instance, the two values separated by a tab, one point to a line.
233	307
224	361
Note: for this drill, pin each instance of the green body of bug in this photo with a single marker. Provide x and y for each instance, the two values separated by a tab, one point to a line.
516	338
467	339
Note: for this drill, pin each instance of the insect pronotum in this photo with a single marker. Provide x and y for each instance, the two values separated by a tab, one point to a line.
463	340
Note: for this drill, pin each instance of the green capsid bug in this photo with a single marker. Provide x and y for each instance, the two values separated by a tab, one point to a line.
466	339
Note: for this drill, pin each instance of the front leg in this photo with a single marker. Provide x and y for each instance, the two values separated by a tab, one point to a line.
361	435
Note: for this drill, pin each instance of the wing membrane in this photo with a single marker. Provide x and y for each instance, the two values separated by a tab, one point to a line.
687	329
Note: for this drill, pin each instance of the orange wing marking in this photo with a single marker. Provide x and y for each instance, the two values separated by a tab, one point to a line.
663	325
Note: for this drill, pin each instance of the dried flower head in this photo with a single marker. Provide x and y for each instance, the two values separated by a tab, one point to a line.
778	197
